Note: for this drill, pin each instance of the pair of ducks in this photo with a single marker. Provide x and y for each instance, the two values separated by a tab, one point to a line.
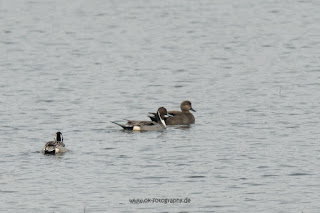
159	121
162	118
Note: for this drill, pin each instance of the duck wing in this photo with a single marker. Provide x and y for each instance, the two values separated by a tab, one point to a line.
175	113
152	116
140	123
51	144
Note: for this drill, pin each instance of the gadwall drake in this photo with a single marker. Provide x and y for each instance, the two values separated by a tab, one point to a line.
158	124
183	117
56	146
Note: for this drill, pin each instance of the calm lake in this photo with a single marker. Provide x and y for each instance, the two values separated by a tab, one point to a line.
251	69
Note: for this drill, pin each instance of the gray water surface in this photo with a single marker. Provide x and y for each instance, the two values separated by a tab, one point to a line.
250	68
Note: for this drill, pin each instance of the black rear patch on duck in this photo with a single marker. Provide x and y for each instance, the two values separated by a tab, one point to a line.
50	152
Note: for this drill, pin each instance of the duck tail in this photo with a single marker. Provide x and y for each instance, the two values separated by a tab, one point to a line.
123	126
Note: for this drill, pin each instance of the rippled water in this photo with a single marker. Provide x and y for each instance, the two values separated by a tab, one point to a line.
250	68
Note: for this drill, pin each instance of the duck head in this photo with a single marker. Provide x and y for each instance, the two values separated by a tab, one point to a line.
161	114
59	137
186	106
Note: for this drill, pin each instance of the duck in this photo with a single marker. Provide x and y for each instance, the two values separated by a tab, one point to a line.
183	117
156	125
56	146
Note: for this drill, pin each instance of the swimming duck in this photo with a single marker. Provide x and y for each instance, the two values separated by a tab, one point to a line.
56	146
157	124
179	118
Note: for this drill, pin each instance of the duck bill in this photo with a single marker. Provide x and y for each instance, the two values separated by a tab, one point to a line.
168	115
192	109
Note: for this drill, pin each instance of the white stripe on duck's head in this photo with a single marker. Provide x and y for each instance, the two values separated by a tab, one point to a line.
59	137
161	114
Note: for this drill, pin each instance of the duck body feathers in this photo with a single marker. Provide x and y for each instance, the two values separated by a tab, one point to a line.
157	124
54	147
180	118
141	125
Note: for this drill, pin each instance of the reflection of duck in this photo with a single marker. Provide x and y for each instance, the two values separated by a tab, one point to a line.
157	124
183	117
56	146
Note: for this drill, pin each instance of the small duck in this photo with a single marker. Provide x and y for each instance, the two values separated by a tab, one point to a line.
157	124
179	118
56	146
